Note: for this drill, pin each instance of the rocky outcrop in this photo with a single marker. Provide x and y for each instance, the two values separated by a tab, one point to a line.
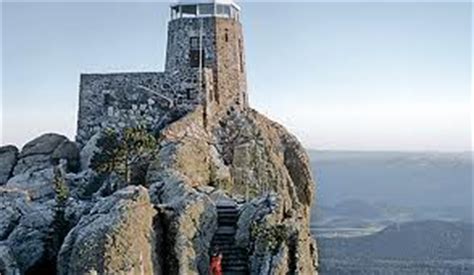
115	237
187	222
263	157
166	226
8	265
24	229
245	155
36	154
69	152
34	170
278	243
88	151
38	184
8	158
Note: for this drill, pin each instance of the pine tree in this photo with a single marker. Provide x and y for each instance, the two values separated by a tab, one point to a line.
60	226
123	152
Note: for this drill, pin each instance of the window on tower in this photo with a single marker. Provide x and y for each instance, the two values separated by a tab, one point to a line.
196	57
189	94
223	10
189	10
194	43
206	9
241	56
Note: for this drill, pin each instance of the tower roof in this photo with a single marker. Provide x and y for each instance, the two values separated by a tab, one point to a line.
196	2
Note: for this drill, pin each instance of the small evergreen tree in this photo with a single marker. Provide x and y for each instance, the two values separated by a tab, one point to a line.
123	152
60	226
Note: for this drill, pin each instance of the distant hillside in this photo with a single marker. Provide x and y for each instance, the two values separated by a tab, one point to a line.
430	185
426	240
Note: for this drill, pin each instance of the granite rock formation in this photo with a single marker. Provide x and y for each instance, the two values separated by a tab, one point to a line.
212	150
244	158
8	158
116	236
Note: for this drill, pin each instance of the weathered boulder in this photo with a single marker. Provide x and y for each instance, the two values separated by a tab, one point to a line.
36	154
263	156
42	145
295	158
25	227
185	149
68	151
116	237
279	242
88	151
29	238
8	265
33	171
13	204
8	158
38	184
255	211
188	220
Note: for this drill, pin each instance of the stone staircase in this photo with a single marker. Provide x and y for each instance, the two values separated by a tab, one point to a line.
235	259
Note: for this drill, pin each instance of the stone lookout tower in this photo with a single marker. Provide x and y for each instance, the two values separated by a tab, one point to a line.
205	66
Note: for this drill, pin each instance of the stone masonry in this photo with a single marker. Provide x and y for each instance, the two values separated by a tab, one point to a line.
155	99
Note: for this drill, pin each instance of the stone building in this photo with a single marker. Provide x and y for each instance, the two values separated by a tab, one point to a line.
205	65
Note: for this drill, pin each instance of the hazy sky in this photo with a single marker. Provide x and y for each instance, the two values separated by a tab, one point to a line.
359	76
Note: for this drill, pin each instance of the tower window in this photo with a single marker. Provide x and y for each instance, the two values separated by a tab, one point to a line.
206	9
241	56
189	10
223	10
194	43
226	35
108	99
189	94
195	58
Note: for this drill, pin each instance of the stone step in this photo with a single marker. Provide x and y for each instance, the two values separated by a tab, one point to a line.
225	223
227	218
225	234
233	256
227	205
236	273
227	208
233	251
234	219
225	230
229	221
234	260
227	214
234	268
222	243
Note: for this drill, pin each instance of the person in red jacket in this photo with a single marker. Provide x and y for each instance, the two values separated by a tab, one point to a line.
216	262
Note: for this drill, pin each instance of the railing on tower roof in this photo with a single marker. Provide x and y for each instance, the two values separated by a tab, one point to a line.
205	8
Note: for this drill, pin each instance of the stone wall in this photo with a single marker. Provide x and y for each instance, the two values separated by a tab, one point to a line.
180	32
129	99
155	99
230	65
223	53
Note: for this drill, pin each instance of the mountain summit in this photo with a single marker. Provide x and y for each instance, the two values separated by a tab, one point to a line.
167	167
